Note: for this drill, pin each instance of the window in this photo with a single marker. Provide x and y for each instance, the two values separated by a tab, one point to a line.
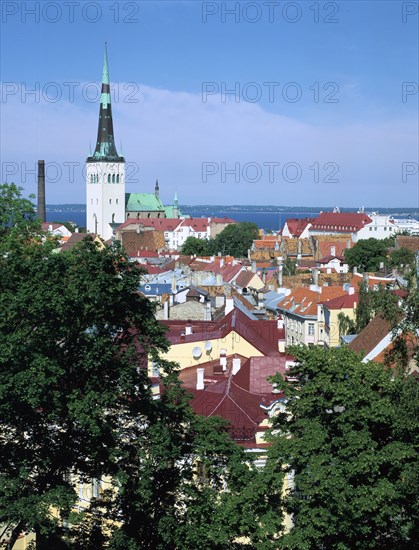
109	178
370	228
311	329
117	201
155	370
113	178
117	178
110	201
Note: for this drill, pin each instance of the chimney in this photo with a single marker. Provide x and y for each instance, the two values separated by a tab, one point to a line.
200	378
280	276
219	279
222	262
229	306
355	270
223	358
41	191
236	365
254	266
315	276
299	250
166	310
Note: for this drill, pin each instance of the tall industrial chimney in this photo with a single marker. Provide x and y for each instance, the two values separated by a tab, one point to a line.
41	191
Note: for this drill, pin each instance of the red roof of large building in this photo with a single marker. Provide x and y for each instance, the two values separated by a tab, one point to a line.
346	222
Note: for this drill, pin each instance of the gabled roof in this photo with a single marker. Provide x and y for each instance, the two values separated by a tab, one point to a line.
347	301
261	334
329	258
297	225
244	278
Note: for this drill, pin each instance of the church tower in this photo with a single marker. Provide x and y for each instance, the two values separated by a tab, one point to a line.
105	172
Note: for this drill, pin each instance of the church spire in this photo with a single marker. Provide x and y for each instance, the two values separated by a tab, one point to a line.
105	145
157	189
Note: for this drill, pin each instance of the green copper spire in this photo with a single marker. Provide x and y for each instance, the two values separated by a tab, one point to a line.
175	200
105	75
105	146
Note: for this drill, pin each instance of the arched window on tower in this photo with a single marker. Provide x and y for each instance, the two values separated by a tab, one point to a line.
117	201
110	201
113	178
91	178
117	178
109	178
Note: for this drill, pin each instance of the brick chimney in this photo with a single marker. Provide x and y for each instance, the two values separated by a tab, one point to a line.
41	191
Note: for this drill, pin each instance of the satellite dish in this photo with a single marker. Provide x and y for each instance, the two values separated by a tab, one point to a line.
196	352
208	346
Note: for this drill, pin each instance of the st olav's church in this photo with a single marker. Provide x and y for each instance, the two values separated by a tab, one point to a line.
107	203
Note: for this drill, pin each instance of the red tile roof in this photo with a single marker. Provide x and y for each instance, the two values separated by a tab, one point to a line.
370	336
303	301
346	222
226	395
262	334
343	302
297	225
244	278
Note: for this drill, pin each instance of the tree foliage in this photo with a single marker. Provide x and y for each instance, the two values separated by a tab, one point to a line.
367	254
76	405
193	245
234	240
349	439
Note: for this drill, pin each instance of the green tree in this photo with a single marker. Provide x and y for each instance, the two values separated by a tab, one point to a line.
346	324
193	245
402	257
76	404
349	439
289	267
367	254
235	239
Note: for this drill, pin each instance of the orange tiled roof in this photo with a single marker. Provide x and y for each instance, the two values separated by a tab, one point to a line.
303	301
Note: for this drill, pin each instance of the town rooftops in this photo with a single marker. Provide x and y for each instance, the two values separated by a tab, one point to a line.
262	335
303	301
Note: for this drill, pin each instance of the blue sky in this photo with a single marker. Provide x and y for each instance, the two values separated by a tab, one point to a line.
332	127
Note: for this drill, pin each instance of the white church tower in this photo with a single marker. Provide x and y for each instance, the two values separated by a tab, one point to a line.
105	172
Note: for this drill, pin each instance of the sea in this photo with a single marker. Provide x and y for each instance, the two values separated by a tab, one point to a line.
269	220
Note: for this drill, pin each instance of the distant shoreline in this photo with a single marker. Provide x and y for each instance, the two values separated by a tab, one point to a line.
253	208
